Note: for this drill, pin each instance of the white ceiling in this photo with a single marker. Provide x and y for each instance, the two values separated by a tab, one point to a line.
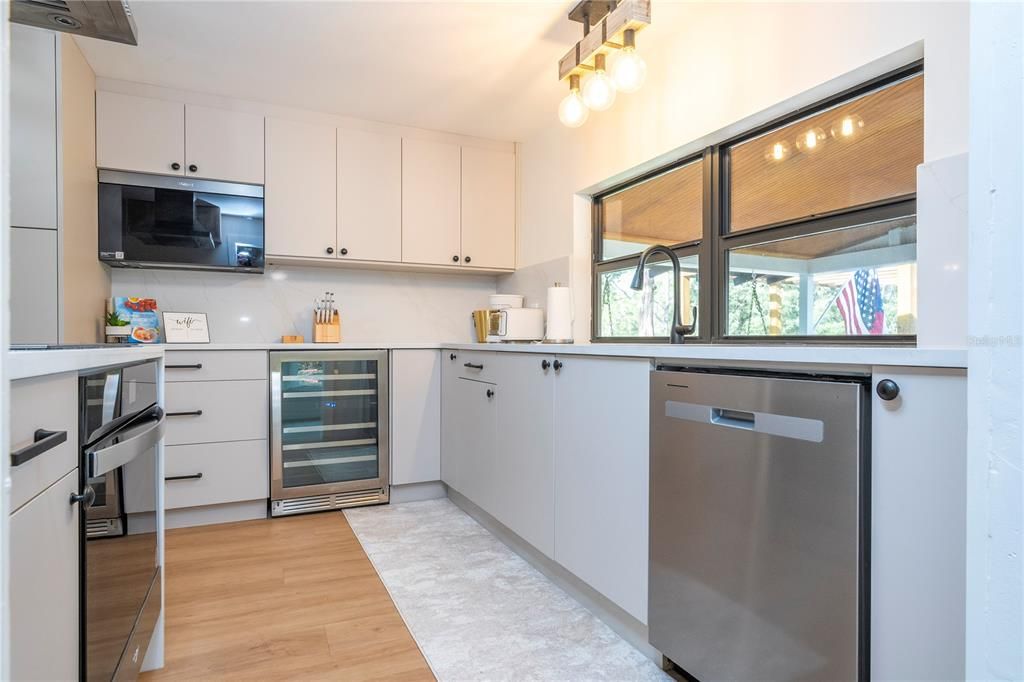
481	68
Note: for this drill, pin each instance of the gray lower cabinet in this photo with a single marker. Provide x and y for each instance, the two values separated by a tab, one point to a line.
468	464
601	498
44	579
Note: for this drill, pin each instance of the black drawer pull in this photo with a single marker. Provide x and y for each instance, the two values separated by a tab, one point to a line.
190	477
198	365
193	413
472	366
42	440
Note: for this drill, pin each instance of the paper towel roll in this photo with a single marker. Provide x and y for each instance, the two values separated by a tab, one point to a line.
559	315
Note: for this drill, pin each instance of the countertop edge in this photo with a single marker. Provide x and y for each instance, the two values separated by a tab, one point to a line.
27	364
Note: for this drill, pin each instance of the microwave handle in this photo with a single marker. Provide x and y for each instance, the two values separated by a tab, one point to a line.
137	439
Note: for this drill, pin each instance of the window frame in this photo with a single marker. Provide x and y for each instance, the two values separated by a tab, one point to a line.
716	240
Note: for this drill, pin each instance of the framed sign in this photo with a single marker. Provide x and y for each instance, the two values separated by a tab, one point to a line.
186	328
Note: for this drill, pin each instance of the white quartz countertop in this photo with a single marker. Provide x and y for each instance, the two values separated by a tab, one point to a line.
860	356
893	356
22	364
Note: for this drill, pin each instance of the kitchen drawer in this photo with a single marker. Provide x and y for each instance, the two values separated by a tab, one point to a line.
215	365
231	472
483	363
49	403
231	410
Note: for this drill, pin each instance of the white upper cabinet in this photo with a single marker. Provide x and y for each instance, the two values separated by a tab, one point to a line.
488	208
300	195
34	118
150	135
223	145
140	134
431	225
369	196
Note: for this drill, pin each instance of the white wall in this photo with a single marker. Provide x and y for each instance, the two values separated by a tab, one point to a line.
374	305
995	364
713	64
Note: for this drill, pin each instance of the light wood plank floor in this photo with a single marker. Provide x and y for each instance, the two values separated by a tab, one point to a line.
290	598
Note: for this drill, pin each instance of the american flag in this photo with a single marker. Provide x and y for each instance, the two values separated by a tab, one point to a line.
860	304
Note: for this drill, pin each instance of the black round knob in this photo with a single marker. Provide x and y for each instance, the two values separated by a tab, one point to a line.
887	389
557	365
175	166
330	250
87	497
344	252
455	259
451	356
544	364
490	393
192	168
467	259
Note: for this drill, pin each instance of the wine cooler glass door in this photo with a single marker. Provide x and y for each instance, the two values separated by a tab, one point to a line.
330	422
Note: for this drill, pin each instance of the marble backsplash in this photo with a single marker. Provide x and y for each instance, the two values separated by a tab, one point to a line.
374	305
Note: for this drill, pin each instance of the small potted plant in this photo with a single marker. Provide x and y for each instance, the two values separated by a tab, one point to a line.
117	327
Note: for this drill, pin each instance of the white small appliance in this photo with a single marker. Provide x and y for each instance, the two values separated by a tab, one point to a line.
516	324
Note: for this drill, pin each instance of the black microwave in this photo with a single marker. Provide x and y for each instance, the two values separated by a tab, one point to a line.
155	221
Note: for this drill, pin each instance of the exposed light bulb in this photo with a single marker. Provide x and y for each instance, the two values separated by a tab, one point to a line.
777	151
598	89
810	140
572	112
629	69
847	127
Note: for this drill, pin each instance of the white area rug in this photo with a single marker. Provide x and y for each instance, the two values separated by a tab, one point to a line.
479	611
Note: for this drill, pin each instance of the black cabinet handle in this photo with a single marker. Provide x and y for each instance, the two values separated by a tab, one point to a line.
344	252
191	413
193	168
452	356
490	393
472	366
887	389
330	250
198	365
189	477
42	440
175	166
455	259
544	364
87	497
557	365
467	259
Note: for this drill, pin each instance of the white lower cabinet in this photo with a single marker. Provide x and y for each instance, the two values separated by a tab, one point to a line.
415	416
602	417
470	464
44	580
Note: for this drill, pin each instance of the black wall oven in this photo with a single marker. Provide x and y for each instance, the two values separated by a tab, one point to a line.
172	222
121	427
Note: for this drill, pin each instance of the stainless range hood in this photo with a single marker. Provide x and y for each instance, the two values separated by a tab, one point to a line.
102	19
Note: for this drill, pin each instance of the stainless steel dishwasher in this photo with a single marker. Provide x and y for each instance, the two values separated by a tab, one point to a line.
759	525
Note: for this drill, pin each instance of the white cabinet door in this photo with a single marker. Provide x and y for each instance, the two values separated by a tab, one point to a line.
601	475
488	208
415	416
451	418
34	286
223	145
918	516
300	202
33	127
470	415
431	224
140	134
523	469
369	196
44	580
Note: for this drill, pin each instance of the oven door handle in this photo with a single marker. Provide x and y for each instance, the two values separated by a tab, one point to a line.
133	441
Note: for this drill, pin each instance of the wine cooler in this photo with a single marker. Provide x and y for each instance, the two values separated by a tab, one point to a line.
329	430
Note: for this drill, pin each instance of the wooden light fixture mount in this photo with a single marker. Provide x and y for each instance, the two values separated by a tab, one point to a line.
605	26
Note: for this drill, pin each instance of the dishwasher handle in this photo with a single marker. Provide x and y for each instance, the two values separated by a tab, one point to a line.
737	419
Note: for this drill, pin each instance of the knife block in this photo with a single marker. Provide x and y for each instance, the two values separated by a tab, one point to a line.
327	332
